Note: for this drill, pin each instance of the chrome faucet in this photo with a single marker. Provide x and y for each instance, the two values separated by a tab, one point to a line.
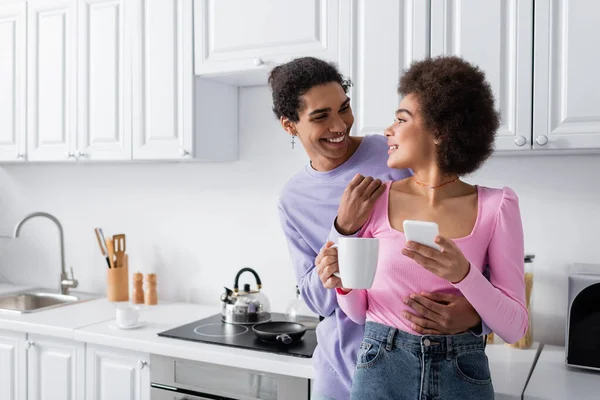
65	282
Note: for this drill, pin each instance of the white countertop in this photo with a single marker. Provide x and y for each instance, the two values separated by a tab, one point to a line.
58	322
166	316
93	322
510	369
551	379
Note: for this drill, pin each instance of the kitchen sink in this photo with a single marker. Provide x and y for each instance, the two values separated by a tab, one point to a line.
34	300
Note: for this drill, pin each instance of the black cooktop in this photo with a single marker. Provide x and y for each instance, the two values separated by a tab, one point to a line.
212	330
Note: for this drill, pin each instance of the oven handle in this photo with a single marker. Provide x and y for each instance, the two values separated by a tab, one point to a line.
165	392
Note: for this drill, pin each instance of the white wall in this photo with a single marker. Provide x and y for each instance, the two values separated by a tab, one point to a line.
195	225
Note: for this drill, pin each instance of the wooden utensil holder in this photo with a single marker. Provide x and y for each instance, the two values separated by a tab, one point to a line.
117	288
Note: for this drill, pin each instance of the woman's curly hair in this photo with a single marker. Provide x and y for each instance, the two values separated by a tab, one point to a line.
290	81
457	106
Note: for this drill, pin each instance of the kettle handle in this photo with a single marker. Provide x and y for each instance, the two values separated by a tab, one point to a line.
240	272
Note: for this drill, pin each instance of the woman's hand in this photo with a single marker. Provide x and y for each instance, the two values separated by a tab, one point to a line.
327	263
357	202
449	263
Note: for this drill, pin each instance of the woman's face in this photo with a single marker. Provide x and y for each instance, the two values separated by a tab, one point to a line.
324	124
410	144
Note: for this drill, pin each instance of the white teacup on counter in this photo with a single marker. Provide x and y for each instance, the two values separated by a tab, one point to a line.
127	316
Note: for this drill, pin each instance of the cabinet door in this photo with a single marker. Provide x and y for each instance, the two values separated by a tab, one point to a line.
12	81
405	27
163	79
55	369
566	80
51	80
496	35
104	81
13	366
239	35
115	374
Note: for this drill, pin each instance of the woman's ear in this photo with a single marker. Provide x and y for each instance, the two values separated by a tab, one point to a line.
288	126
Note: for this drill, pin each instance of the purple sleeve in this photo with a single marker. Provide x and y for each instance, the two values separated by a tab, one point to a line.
320	300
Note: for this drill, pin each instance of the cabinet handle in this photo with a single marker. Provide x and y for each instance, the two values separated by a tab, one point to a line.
81	154
142	364
541	140
30	344
70	155
20	156
258	62
184	152
520	141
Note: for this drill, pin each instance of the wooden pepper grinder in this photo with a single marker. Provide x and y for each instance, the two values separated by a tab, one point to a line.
138	291
151	299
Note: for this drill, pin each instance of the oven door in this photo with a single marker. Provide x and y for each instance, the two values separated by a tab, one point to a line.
177	379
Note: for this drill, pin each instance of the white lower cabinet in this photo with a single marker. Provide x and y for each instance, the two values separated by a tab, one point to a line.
115	374
55	369
13	366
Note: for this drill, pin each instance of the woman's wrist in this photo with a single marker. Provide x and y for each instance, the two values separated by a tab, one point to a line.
468	269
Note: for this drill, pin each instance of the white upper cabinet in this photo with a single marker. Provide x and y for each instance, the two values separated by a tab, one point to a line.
13	366
251	37
566	78
55	369
163	79
404	28
51	80
12	81
104	81
174	115
496	35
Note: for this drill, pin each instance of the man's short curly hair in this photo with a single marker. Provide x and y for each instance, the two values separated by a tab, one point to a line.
457	105
290	81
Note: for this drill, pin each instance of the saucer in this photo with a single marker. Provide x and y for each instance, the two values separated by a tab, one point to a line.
113	324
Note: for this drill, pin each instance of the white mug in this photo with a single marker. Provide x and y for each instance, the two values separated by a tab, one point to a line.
128	316
357	261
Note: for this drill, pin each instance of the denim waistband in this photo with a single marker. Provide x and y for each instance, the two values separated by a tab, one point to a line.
395	338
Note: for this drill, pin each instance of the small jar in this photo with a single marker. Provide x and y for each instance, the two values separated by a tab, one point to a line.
298	311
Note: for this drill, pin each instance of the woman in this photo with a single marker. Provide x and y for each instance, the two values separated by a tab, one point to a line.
310	100
444	128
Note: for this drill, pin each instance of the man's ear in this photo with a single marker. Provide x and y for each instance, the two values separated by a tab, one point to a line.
287	125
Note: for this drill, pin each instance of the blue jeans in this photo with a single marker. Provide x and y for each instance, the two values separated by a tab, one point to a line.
393	364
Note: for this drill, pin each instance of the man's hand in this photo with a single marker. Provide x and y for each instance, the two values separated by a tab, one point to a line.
440	314
357	202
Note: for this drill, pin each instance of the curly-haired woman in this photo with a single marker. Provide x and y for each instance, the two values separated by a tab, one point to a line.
444	128
310	100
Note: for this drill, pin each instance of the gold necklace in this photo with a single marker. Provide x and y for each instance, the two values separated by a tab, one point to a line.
434	186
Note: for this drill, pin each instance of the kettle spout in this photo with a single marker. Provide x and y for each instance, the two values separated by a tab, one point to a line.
227	296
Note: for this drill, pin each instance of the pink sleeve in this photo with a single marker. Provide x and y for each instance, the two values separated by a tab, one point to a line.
354	304
501	301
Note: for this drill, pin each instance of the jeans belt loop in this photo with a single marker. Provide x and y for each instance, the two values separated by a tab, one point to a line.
390	339
449	348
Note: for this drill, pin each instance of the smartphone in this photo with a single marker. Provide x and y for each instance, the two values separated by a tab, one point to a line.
421	232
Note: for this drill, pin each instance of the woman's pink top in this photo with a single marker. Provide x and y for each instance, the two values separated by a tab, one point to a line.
496	240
